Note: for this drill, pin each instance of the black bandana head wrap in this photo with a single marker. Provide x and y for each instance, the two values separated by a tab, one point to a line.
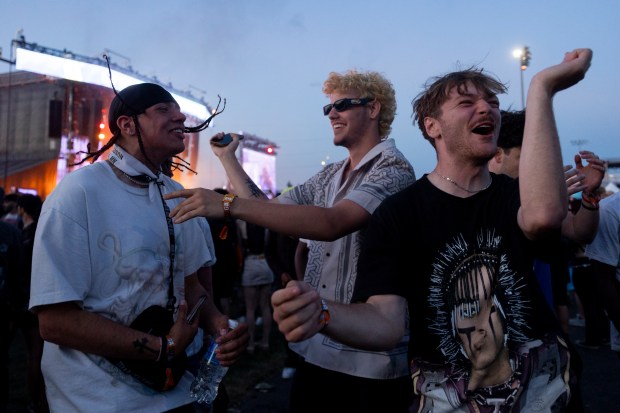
135	100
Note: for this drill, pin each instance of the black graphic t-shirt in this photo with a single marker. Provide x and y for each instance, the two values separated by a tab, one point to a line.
479	325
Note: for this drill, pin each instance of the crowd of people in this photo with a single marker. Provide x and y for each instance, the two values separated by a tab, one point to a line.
18	223
394	292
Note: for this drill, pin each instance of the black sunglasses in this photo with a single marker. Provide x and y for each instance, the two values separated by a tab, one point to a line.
344	104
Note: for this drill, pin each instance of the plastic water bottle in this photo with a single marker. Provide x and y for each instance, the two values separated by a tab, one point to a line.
210	374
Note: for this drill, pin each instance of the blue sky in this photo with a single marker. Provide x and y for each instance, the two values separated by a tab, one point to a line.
269	58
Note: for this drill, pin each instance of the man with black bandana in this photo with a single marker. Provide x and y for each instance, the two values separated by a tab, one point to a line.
105	251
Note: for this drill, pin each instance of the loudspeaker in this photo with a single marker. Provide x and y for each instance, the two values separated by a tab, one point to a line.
55	119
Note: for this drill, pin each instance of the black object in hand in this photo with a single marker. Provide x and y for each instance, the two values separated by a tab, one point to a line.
226	140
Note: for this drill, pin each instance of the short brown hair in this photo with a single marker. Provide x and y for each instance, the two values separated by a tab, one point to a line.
368	85
428	102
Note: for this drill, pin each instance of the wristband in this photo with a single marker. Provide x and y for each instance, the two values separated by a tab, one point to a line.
589	208
226	203
170	347
590	198
324	316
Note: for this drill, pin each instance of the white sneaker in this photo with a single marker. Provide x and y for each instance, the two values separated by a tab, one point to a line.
288	372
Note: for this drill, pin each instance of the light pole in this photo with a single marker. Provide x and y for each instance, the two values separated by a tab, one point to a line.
524	57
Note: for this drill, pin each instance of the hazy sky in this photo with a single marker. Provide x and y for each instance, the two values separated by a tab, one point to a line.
270	58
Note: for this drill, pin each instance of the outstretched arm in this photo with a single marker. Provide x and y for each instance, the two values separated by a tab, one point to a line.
300	221
541	181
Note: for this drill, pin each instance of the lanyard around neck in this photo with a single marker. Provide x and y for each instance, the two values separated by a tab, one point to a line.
145	180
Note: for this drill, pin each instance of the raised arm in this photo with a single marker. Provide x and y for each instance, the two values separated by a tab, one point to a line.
543	192
241	182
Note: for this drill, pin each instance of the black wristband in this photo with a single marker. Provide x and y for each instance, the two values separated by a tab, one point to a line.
589	208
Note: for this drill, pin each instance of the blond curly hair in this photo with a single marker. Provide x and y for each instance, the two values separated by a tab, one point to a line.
368	85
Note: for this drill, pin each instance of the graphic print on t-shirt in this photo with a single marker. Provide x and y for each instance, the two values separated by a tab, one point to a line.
480	310
479	303
137	270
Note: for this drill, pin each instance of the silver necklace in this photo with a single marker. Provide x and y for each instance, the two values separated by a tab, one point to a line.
459	186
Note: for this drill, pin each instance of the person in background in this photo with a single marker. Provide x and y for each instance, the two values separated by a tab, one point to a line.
506	159
11	262
552	269
332	208
29	209
11	216
283	265
257	281
455	251
604	255
596	323
105	251
587	174
229	265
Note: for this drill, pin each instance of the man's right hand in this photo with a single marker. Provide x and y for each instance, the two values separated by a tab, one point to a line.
198	202
297	309
566	74
232	344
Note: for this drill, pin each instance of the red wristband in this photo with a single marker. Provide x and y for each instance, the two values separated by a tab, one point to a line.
324	316
590	198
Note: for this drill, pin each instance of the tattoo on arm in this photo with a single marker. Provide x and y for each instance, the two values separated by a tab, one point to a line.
255	190
142	347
